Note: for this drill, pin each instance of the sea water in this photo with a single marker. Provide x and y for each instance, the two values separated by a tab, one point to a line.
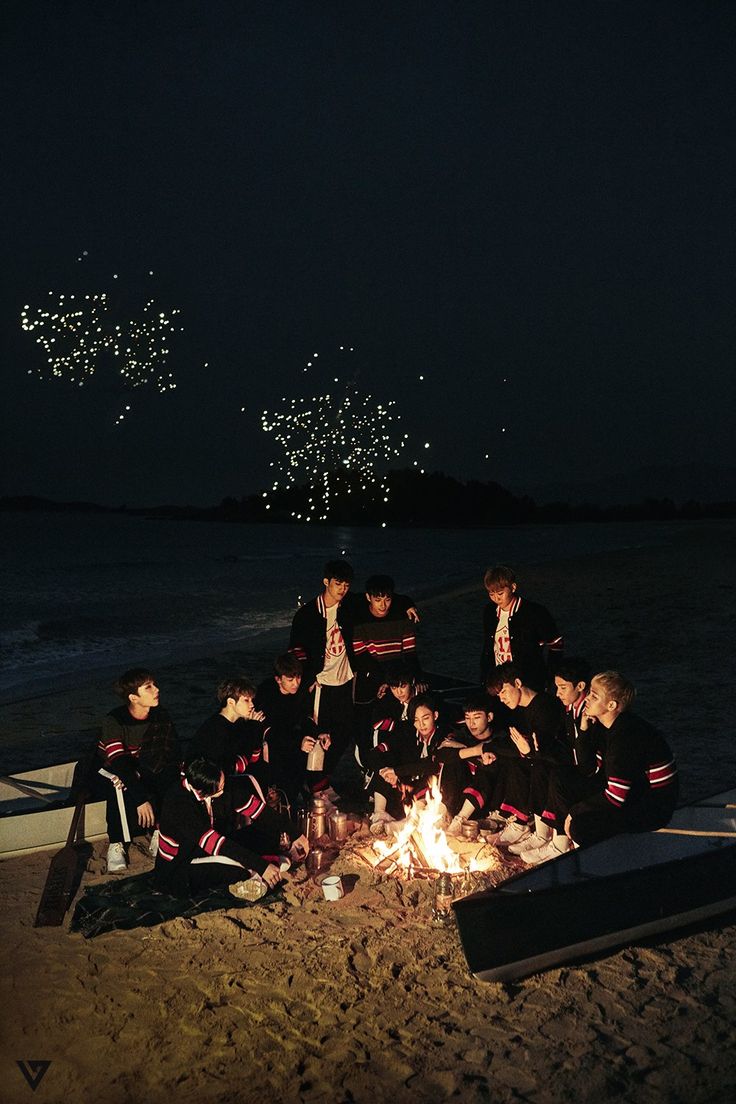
86	592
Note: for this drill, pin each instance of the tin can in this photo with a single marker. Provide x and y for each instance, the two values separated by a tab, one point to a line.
443	893
338	825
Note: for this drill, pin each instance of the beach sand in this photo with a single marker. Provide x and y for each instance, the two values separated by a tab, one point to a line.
364	999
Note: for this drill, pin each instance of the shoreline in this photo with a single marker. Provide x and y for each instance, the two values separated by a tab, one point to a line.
364	1000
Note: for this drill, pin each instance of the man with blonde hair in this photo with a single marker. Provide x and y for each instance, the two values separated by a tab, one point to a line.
635	786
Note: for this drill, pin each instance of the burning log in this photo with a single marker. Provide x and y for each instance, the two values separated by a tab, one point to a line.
374	859
417	845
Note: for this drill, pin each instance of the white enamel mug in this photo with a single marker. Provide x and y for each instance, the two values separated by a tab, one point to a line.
332	887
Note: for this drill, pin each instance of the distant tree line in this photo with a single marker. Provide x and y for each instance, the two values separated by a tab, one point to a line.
430	500
436	500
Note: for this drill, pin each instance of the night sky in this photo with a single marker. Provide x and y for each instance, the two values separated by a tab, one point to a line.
530	204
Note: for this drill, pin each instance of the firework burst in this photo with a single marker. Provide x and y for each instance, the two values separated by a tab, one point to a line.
85	335
335	443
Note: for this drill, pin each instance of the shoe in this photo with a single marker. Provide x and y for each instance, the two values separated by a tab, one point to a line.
551	850
514	832
117	862
250	889
455	827
153	843
379	822
531	843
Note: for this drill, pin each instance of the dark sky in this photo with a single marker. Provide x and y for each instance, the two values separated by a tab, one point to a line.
538	193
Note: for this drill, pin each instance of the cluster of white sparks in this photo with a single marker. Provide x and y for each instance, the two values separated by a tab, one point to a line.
82	335
334	443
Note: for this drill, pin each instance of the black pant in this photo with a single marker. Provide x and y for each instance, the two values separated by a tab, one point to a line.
151	787
336	717
643	813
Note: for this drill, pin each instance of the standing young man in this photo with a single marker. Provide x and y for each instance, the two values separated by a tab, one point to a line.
322	635
322	638
516	630
383	635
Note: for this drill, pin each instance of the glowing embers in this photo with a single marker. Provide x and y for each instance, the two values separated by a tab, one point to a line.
418	847
334	443
82	335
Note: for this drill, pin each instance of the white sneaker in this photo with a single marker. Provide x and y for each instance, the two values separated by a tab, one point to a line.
514	832
153	843
250	889
531	843
551	850
117	862
378	824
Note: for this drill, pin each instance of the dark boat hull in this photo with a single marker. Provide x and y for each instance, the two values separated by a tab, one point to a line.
590	901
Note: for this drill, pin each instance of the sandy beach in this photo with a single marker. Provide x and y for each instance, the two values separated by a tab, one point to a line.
364	999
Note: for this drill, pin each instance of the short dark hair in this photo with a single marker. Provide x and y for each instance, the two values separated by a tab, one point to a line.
131	681
379	586
500	575
427	700
505	674
287	666
235	687
340	570
573	670
398	673
203	776
477	703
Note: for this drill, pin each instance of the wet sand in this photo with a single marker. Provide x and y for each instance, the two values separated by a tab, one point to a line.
364	999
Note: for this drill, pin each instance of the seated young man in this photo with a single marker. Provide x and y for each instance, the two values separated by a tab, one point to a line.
194	852
536	732
516	630
389	711
635	787
140	747
232	737
290	732
572	683
405	760
467	758
383	635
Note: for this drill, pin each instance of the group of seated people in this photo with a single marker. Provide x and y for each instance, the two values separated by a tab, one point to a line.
555	756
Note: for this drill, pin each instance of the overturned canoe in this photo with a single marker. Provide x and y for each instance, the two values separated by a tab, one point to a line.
589	901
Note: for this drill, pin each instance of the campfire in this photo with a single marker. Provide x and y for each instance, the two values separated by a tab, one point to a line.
417	847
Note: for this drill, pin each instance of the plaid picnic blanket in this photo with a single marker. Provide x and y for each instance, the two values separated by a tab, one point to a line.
135	902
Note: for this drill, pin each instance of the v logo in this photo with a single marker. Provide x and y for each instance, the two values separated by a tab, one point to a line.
33	1072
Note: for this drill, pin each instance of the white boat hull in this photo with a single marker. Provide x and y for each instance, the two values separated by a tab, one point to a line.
28	824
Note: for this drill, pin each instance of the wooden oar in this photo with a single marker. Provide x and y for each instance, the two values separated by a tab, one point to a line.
61	880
